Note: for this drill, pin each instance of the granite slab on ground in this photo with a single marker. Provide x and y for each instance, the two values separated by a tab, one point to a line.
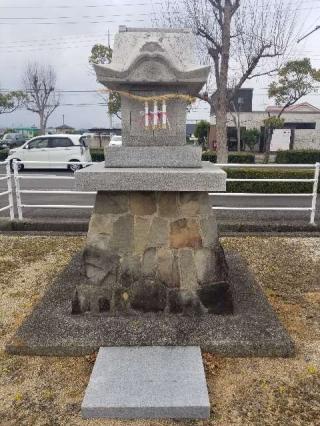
252	330
147	383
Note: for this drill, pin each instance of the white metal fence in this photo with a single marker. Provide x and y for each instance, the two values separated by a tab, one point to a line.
8	192
18	192
313	195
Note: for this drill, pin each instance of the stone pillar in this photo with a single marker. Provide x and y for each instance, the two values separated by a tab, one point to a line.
150	252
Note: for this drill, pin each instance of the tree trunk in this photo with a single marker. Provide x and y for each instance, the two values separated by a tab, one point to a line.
268	145
238	134
222	104
292	138
222	137
42	124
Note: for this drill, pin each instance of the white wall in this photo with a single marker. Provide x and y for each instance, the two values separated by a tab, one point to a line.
252	120
280	140
307	139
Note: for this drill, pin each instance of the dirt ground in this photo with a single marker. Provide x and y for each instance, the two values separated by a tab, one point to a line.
48	391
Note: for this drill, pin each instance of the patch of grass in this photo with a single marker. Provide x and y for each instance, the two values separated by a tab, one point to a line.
255	392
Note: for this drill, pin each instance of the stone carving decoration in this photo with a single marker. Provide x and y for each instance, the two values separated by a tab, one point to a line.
153	64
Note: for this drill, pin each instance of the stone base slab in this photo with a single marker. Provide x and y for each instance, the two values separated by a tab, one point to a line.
153	156
147	383
252	330
99	178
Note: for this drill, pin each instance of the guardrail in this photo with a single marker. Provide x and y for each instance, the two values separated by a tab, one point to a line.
20	205
8	192
19	191
314	193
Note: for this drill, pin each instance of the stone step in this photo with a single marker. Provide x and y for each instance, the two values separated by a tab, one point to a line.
150	382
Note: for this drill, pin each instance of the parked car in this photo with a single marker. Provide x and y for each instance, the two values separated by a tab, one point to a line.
115	140
11	140
49	150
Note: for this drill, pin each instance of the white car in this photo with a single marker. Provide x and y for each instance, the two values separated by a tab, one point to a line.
115	141
50	150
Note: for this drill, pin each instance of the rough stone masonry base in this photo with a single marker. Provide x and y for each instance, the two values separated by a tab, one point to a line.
152	252
252	330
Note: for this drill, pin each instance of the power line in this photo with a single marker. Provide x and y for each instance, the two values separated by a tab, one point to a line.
82	35
307	35
46	19
71	22
84	6
105	5
60	91
119	15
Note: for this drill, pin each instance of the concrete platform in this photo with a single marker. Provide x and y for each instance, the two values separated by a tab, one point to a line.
153	156
252	330
99	178
147	383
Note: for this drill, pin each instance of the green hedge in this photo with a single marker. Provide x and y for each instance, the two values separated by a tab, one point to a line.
298	157
97	154
237	157
209	156
242	158
270	187
3	154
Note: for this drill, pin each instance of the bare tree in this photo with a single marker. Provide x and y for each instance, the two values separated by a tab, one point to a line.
11	101
40	87
236	117
242	39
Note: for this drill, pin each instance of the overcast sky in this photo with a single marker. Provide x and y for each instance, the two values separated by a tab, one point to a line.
61	33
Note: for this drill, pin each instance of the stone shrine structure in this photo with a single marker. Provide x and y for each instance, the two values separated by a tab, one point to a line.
152	244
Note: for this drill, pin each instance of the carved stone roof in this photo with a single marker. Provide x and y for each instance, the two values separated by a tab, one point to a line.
155	57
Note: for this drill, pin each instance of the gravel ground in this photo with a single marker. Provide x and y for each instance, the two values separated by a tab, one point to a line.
48	391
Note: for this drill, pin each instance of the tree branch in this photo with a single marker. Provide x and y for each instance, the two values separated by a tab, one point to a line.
251	67
204	34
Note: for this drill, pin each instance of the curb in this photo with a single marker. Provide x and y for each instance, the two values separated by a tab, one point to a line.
42	226
224	228
271	227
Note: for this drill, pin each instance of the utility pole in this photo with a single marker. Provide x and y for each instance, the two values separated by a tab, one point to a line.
110	115
307	35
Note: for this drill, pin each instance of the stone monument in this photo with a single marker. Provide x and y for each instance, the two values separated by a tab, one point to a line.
152	244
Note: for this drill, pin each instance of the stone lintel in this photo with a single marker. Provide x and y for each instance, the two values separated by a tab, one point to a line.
208	178
147	383
153	156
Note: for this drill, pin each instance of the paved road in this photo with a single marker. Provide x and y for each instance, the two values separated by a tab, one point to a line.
80	214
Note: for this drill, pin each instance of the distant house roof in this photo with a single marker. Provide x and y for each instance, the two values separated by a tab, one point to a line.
242	101
105	130
64	127
302	107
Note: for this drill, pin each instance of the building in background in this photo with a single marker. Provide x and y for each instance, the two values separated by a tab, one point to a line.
27	132
99	137
240	105
65	129
301	128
